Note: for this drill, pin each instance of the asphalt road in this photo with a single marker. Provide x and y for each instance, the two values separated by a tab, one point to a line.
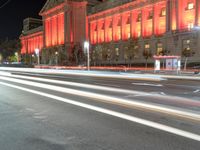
40	114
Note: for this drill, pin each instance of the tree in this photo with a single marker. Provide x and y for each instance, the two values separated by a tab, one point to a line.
187	53
147	54
9	47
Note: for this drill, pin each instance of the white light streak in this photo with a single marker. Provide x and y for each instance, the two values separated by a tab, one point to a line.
110	99
148	123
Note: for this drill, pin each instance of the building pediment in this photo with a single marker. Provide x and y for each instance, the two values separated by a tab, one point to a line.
51	4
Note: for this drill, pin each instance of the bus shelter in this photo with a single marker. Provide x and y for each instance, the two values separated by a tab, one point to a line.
172	63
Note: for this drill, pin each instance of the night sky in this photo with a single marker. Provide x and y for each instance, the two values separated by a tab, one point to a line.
13	13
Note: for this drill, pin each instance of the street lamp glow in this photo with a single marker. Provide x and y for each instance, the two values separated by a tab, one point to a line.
56	53
16	55
86	47
86	44
37	52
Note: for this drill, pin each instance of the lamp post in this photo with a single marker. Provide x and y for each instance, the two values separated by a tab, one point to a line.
32	59
37	52
56	53
86	47
16	55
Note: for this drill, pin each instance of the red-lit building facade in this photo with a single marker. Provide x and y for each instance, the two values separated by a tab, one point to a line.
122	32
32	37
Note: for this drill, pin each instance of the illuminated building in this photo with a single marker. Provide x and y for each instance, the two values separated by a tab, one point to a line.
120	31
32	36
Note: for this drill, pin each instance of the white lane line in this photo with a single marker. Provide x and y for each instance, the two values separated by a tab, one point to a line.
111	89
129	93
148	123
144	105
3	73
86	73
109	85
197	91
148	84
138	95
159	93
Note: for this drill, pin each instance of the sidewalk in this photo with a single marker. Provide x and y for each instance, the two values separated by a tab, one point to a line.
133	71
135	75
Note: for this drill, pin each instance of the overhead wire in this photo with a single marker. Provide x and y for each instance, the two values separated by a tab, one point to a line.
5	3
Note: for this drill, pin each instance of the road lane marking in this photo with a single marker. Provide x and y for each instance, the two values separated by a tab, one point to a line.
87	74
138	95
148	123
197	91
109	85
148	84
112	89
158	93
154	107
3	73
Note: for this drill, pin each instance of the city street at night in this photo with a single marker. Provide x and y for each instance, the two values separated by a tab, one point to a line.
100	75
78	110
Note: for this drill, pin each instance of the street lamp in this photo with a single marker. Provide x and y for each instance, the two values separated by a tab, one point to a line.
16	55
37	52
56	53
86	47
32	59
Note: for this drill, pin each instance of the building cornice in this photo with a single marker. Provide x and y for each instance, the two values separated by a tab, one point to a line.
32	33
128	5
44	12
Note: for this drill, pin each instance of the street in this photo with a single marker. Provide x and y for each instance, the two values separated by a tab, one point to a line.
47	111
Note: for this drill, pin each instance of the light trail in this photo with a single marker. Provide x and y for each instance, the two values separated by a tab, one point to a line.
144	122
88	73
103	88
154	107
148	84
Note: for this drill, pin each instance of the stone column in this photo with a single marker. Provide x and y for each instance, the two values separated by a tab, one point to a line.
104	29
153	20
177	14
131	24
44	32
197	13
121	23
113	29
168	15
142	24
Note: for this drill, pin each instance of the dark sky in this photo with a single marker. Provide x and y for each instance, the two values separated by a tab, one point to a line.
12	15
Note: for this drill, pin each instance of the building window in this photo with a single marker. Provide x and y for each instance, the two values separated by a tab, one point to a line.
190	26
160	49
139	18
95	29
139	34
190	6
119	22
103	26
128	21
163	12
186	44
147	46
150	15
126	53
136	47
108	55
117	52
